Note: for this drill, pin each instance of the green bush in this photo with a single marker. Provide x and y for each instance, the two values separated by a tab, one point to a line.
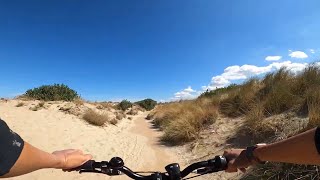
124	105
147	104
54	92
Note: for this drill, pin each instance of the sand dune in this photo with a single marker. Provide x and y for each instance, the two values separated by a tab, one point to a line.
51	129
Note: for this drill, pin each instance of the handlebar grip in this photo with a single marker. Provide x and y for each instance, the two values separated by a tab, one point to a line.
221	163
89	165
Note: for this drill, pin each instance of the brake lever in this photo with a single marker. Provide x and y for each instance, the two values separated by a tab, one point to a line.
111	172
201	171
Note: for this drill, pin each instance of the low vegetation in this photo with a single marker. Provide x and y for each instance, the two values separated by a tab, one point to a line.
96	119
20	104
56	92
120	115
275	107
104	105
276	93
37	107
78	101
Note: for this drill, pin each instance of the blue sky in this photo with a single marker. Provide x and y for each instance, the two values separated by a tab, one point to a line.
123	49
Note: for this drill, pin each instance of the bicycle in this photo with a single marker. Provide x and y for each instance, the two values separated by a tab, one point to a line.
116	167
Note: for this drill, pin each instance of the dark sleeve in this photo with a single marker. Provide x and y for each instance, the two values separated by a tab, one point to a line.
11	146
317	139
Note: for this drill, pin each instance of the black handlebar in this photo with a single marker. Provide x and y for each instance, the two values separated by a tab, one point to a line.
116	167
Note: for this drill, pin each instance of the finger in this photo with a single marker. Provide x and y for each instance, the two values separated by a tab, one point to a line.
243	170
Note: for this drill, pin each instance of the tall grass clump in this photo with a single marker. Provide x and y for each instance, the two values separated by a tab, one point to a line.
277	91
313	103
54	92
240	99
95	118
183	122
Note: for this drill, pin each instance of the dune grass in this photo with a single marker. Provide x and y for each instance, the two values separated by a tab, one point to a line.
182	122
95	118
275	107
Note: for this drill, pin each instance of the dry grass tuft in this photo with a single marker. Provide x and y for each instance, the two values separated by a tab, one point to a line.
132	112
282	171
95	118
239	101
113	121
313	102
37	107
105	105
41	104
20	104
183	122
34	108
78	102
120	115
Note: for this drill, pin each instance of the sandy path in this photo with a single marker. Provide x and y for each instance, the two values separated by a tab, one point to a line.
52	130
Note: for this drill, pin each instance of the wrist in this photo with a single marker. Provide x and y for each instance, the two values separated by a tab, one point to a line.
257	153
253	155
57	161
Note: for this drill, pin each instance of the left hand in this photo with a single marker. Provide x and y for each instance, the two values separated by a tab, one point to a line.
71	158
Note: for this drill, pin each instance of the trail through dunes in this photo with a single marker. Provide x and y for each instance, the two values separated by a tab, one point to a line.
49	129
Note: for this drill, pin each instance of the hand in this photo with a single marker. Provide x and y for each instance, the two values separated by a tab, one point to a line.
237	160
71	158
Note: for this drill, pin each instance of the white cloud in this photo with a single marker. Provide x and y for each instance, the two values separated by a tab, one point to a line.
298	54
236	73
187	93
293	67
189	90
312	51
246	71
273	58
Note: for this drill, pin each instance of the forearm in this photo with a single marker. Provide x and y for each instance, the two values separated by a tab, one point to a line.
299	149
32	159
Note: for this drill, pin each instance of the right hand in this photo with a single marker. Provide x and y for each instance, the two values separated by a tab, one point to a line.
237	160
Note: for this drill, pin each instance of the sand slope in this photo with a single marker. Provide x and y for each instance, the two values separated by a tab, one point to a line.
51	129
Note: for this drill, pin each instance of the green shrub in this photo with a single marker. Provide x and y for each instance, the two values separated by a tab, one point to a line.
147	104
124	105
54	92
